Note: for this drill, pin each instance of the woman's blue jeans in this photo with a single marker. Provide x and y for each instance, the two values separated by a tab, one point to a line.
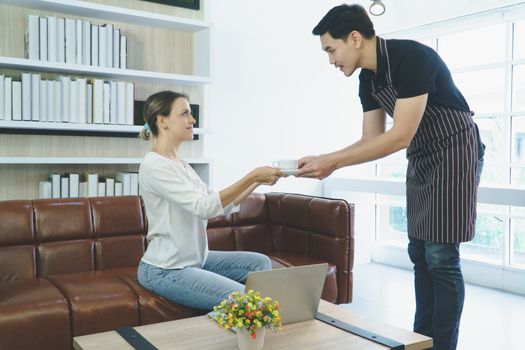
203	288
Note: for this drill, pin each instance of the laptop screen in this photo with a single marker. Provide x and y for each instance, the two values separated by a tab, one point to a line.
297	289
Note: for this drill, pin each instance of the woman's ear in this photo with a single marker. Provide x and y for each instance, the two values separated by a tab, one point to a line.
161	122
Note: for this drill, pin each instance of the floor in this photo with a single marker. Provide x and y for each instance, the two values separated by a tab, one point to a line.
491	319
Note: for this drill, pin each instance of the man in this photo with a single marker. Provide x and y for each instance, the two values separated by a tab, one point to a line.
411	83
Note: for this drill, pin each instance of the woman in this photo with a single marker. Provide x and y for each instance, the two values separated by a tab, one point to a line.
177	264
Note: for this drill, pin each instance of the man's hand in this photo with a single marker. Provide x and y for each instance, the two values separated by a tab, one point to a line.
316	167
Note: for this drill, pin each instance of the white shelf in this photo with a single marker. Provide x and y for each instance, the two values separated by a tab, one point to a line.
112	13
15	124
102	72
86	160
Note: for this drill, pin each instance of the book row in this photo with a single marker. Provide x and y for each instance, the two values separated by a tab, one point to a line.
66	100
75	41
73	185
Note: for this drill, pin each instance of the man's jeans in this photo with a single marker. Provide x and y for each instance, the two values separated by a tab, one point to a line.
440	291
222	274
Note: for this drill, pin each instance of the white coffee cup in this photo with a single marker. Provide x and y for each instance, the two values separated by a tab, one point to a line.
286	164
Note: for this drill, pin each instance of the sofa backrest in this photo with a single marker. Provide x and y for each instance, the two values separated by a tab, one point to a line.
290	223
57	236
249	229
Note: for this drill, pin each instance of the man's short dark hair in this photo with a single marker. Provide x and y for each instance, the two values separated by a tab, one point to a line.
344	19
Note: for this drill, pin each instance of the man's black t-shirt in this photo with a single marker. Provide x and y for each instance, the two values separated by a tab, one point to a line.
415	69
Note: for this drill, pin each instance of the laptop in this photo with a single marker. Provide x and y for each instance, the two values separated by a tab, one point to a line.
297	289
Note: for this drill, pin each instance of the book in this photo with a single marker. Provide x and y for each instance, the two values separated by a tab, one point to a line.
113	105
43	100
17	100
118	188
121	101
44	189
92	183
94	45
8	98
51	101
86	37
116	48
130	97
109	43
107	100
64	187
65	84
2	97
32	38
79	41
82	100
134	183
52	39
98	101
110	186
73	101
61	41
55	185
43	38
71	37
101	189
102	46
125	179
26	96
58	101
35	96
83	189
73	185
89	103
123	52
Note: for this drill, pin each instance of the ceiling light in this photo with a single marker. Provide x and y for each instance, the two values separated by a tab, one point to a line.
377	8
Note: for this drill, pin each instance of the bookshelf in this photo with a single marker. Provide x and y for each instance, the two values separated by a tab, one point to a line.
154	31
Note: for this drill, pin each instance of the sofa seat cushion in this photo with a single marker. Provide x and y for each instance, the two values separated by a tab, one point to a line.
33	304
280	259
99	300
154	308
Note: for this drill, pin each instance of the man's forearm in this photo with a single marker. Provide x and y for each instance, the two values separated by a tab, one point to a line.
366	150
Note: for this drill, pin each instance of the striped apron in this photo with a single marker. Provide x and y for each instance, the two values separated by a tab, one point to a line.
441	186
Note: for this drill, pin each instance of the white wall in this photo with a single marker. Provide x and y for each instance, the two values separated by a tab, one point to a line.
274	95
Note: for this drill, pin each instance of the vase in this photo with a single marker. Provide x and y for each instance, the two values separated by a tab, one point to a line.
246	342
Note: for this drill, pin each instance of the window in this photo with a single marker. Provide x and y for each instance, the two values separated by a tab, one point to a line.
493	83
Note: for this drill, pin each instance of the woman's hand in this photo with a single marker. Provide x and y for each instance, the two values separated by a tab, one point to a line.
267	175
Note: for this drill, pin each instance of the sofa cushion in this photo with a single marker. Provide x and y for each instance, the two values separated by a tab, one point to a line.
33	311
99	300
17	262
118	252
154	308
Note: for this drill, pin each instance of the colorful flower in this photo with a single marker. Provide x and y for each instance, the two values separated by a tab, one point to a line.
249	311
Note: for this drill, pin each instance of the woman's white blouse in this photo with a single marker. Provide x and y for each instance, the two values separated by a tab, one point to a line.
178	205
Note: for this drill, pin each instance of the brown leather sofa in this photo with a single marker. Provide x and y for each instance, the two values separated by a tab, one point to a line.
68	266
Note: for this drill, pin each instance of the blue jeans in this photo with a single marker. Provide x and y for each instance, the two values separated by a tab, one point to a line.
203	288
439	285
440	291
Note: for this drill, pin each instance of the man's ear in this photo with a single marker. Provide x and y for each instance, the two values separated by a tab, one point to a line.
355	38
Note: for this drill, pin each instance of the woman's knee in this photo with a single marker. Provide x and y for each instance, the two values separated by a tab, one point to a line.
261	262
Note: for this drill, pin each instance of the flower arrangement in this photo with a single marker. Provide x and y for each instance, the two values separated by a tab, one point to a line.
249	311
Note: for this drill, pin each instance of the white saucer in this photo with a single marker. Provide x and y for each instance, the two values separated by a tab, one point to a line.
290	171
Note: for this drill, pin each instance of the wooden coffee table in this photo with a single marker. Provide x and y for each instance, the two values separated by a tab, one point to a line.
203	333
